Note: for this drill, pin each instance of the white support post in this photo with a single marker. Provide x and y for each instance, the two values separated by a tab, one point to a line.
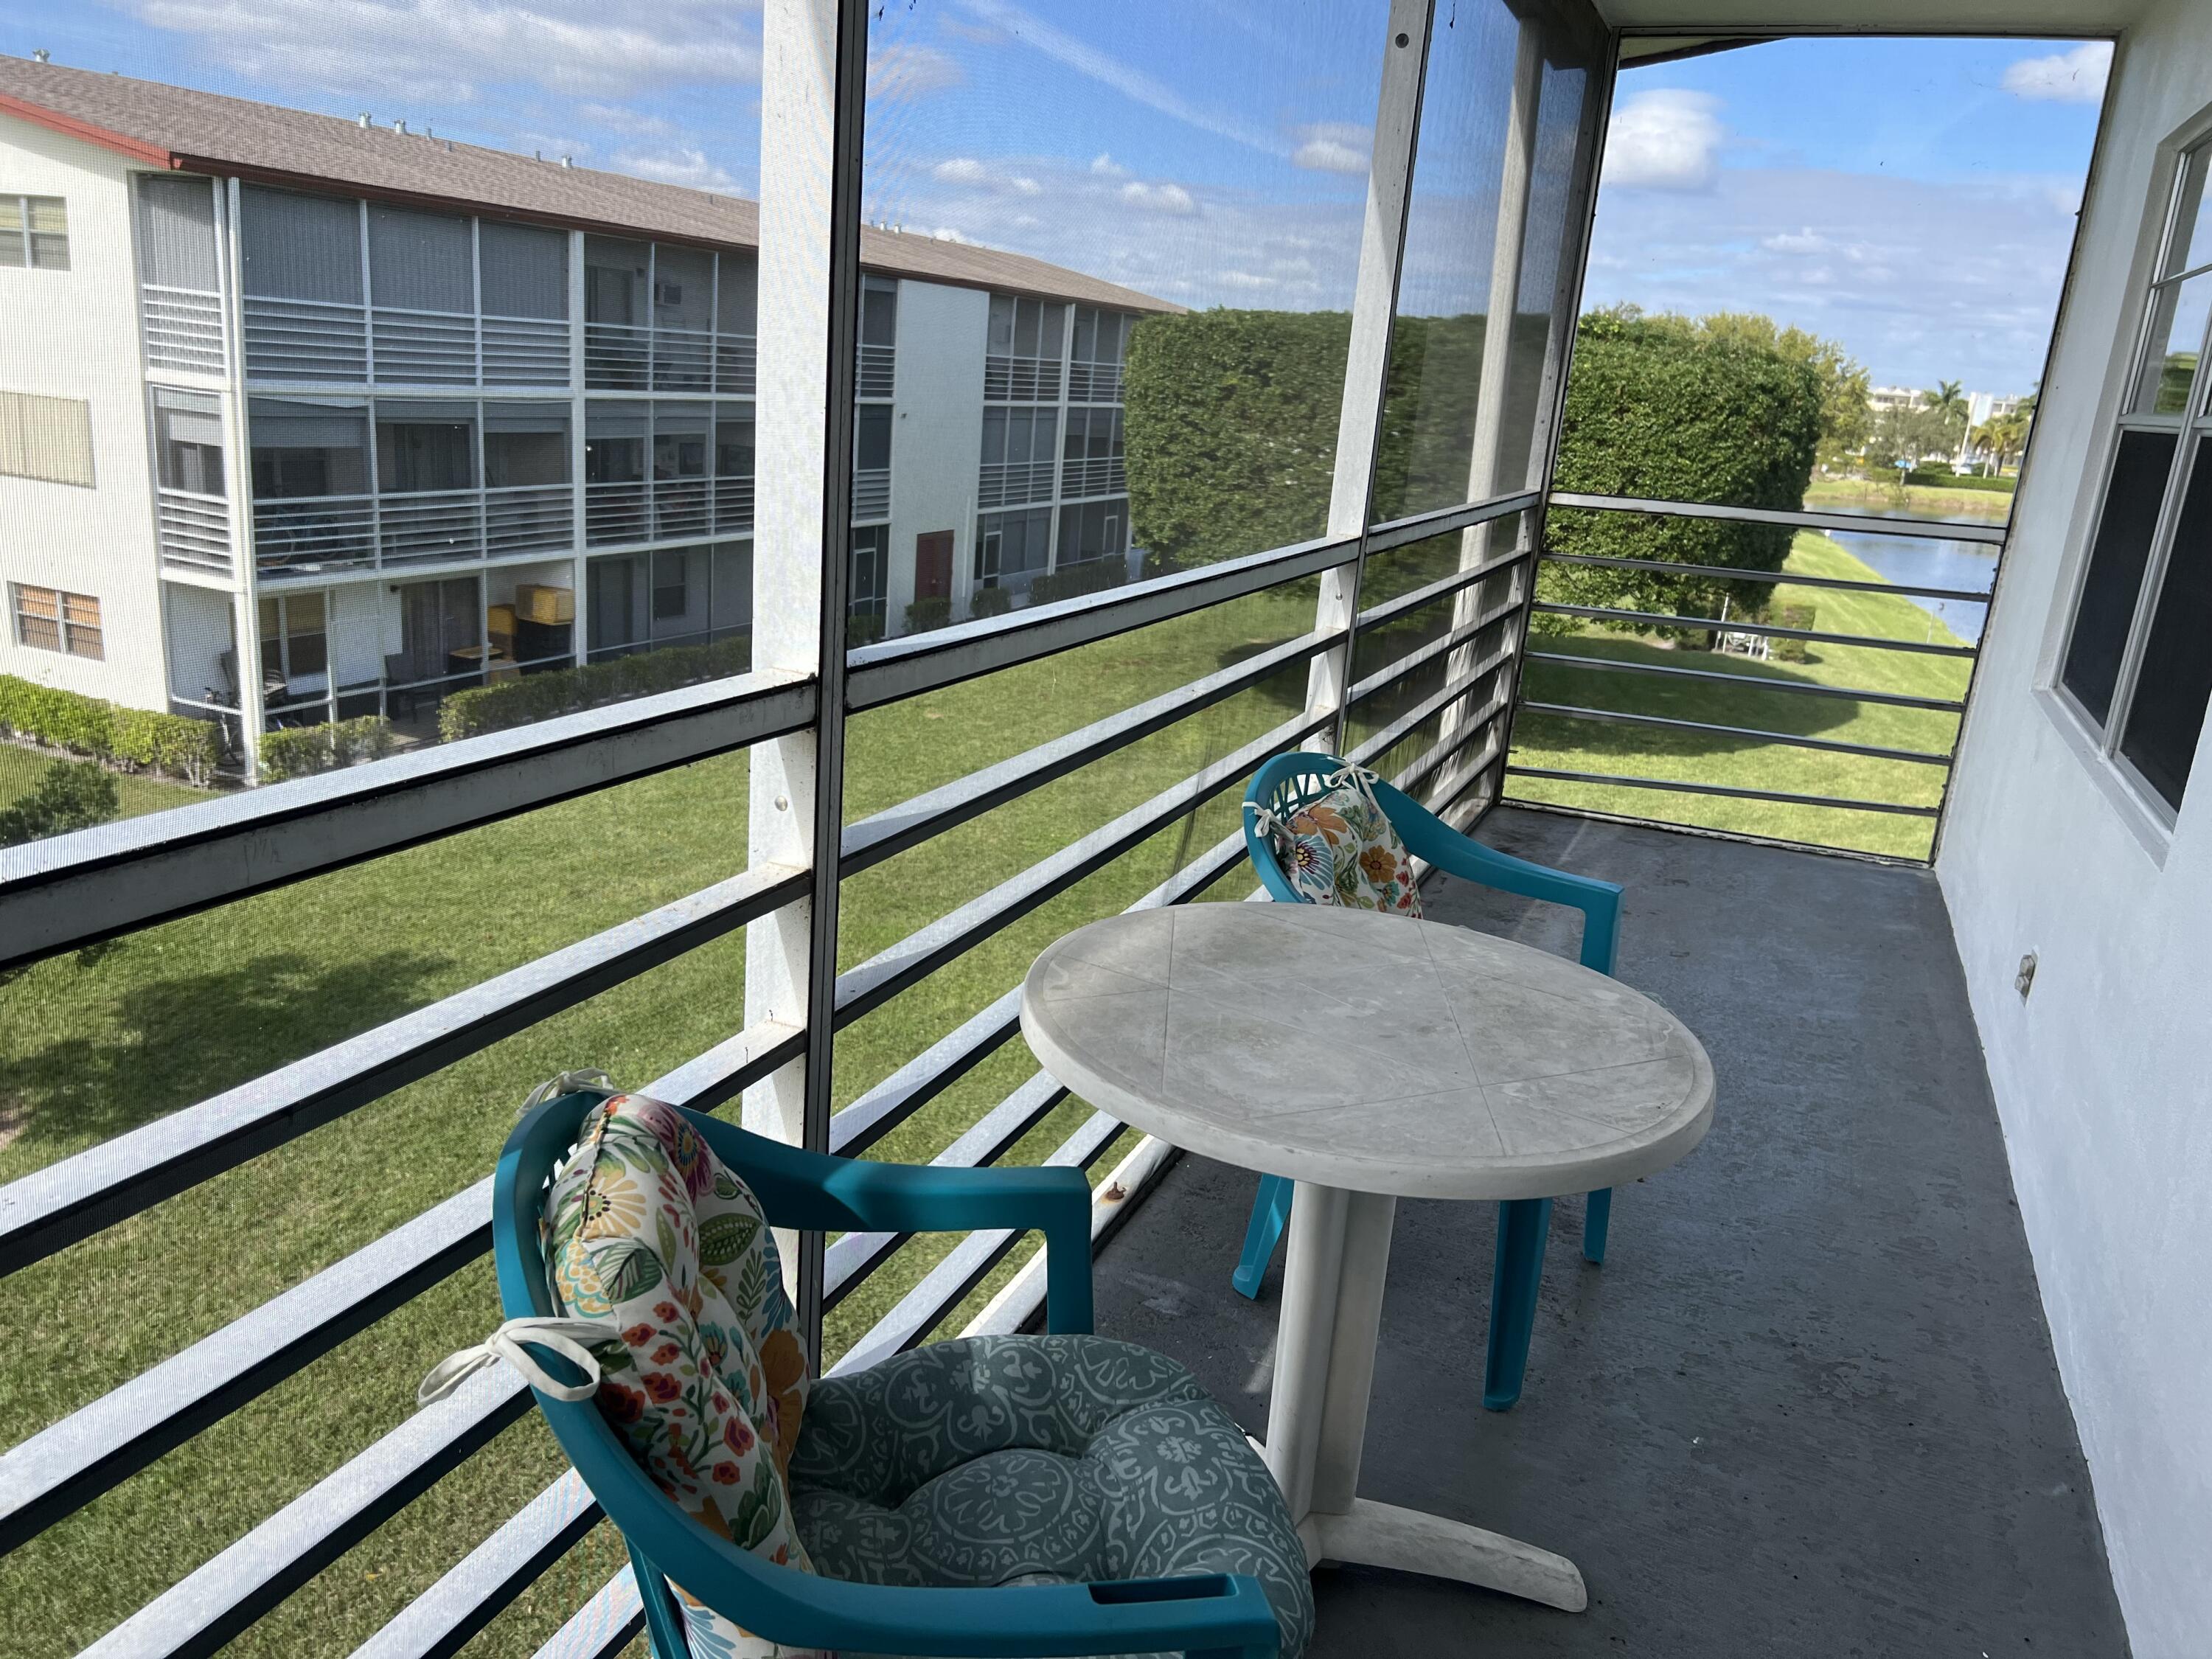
1367	361
579	411
814	54
238	483
1492	436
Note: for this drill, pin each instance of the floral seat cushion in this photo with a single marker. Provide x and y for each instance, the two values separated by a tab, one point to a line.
648	1229
1341	849
1001	1460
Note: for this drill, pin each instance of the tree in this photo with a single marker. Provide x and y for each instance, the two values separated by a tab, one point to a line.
72	795
1949	406
1845	420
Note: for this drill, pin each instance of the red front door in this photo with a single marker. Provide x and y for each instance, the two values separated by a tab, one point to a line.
933	565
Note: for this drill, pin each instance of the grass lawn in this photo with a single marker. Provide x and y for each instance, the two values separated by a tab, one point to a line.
21	767
1921	500
98	1042
1548	740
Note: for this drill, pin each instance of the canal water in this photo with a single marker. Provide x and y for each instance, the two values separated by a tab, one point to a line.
1922	562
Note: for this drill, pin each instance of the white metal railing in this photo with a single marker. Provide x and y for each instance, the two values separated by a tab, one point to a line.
618	357
1094	383
683	359
1098	475
525	351
527	518
736	363
682	506
878	371
310	340
193	531
1012	483
620	512
733	507
1021	379
423	347
435	526
308	534
871	494
182	328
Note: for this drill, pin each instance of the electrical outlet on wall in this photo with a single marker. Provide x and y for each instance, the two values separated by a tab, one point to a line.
2024	980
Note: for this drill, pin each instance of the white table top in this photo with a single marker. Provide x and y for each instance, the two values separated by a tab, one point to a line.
1368	1052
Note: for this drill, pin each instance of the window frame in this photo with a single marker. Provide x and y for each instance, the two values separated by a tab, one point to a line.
25	238
2191	428
67	629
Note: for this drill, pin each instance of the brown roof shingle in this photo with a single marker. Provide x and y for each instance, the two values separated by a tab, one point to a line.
203	132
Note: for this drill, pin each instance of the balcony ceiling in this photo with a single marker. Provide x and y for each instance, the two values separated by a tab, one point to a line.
1916	16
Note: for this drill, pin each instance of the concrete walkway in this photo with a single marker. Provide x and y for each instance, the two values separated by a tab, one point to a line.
1809	1405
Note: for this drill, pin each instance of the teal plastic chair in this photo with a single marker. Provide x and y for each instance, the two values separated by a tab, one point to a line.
1290	781
1212	1615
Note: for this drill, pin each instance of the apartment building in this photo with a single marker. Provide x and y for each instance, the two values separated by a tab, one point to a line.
304	418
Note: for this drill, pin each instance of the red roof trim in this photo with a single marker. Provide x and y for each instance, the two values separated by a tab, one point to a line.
122	143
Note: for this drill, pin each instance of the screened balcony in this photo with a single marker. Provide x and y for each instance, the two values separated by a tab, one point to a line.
756	861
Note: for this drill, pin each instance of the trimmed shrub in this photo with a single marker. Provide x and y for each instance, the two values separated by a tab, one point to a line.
129	739
1792	615
72	795
299	751
863	630
1961	480
534	697
990	602
1073	581
925	615
1651	412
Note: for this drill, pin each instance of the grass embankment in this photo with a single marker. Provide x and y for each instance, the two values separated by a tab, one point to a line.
96	1044
1920	500
1549	740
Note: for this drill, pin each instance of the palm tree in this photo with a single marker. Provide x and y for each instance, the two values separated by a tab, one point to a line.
1948	406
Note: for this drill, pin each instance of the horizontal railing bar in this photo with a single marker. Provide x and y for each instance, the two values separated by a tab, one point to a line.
731	1067
66	1465
1782	578
43	1212
1872	751
909	666
943	1288
1383	678
90	885
1675	785
1450	744
921	1079
469	1595
1741	837
604	1625
876	980
1753	682
1443	588
1420	527
1864	523
1383	742
218	1601
1457	784
853	1257
1730	625
874	838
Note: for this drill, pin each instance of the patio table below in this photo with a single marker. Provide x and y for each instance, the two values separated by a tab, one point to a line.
1368	1057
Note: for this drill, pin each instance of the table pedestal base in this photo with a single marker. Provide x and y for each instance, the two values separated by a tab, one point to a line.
1371	1535
1317	1417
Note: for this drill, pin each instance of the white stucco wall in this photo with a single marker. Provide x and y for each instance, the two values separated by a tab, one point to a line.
2101	1076
937	432
74	333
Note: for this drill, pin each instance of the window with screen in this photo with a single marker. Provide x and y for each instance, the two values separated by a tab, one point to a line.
2135	665
34	233
47	619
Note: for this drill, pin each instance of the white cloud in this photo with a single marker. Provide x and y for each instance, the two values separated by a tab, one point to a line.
947	234
689	167
1158	198
1665	139
1105	166
619	118
968	173
1807	240
1334	147
448	51
2064	77
1245	279
902	70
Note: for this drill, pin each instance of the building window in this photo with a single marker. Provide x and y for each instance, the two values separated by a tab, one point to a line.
865	595
188	442
34	233
1012	548
47	619
2134	663
45	438
1026	342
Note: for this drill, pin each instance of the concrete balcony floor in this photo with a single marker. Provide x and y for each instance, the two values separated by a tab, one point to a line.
1808	1406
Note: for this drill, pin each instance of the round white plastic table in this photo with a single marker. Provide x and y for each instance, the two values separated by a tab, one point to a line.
1369	1057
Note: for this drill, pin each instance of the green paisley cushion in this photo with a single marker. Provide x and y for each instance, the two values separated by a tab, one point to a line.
647	1228
996	1461
1342	850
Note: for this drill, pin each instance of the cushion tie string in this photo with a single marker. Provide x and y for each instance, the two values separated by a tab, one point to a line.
566	1337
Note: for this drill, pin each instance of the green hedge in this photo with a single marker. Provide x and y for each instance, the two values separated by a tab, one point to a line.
1653	413
563	690
1085	576
926	616
1961	481
299	751
70	795
990	602
128	739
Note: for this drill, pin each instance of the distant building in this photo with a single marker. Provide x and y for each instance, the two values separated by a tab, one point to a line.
312	418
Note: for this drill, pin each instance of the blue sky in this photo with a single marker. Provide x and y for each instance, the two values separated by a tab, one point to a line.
1913	199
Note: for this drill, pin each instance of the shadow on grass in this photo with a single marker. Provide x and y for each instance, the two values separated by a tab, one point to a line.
170	1040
